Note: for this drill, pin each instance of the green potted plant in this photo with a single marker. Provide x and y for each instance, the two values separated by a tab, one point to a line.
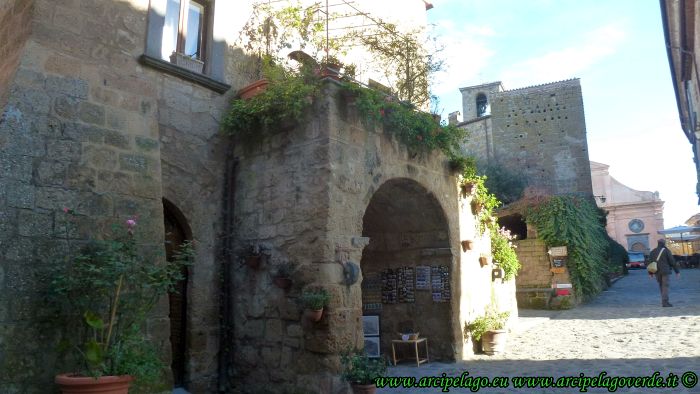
489	329
106	292
361	371
283	276
313	302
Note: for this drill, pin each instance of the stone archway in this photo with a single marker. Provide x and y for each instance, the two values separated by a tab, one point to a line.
176	232
407	228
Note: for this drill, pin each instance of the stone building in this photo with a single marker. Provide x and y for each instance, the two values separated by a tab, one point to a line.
537	131
96	117
680	22
634	216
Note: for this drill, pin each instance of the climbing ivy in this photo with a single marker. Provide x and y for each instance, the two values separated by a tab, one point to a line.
503	252
575	222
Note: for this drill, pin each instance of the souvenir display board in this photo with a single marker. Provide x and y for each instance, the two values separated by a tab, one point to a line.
440	283
398	285
423	277
372	292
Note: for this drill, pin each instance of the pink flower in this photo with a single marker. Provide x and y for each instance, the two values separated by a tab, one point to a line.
66	210
131	223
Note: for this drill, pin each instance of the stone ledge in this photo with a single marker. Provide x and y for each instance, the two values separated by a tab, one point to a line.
185	74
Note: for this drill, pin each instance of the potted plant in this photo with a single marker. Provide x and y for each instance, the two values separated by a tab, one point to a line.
467	244
106	292
489	329
313	302
282	277
252	260
361	371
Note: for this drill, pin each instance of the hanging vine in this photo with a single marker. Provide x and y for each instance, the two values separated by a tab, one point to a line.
575	222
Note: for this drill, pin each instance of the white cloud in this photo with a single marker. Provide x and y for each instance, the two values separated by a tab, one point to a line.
567	62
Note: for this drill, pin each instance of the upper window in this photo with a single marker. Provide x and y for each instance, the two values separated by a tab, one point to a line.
482	105
184	29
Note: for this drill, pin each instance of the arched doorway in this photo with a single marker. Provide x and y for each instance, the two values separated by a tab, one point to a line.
407	267
177	232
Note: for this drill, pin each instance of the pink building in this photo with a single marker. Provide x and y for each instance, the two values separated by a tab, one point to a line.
634	216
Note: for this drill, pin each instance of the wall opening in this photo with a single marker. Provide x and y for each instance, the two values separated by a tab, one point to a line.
482	105
176	232
409	238
515	224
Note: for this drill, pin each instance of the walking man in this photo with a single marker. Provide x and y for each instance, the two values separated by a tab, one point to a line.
664	261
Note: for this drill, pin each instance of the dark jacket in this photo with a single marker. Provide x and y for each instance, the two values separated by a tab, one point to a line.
664	262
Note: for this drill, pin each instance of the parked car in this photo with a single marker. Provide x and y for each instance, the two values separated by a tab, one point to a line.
637	260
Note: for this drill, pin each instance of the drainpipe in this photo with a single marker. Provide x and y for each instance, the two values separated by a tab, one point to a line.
226	328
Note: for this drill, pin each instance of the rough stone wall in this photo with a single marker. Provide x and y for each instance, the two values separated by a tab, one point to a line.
540	131
87	127
15	25
480	138
303	193
536	278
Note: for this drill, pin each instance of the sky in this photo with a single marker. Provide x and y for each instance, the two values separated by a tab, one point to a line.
615	47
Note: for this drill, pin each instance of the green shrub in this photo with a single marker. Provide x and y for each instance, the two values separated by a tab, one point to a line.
360	369
315	299
503	252
491	321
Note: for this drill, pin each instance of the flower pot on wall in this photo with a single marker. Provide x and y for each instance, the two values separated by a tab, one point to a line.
253	261
313	315
468	189
71	384
483	260
253	89
467	245
282	282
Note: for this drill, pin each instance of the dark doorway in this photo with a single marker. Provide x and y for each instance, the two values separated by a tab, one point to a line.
516	224
177	232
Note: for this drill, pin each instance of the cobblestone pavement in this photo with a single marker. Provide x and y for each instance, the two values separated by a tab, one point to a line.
623	332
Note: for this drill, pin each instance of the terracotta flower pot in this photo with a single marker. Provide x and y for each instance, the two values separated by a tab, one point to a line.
72	384
363	388
283	283
483	260
253	89
253	261
494	341
313	315
467	245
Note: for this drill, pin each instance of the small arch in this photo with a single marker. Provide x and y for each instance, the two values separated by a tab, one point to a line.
177	231
482	105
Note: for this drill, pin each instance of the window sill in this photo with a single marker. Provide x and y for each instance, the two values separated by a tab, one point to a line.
185	74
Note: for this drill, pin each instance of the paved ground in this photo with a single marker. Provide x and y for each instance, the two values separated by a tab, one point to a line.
624	332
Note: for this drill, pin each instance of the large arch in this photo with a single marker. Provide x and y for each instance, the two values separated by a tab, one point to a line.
408	228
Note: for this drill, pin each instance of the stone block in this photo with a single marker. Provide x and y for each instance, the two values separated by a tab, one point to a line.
34	224
82	133
134	163
72	87
20	195
63	150
15	167
273	330
66	107
101	158
253	328
116	139
146	144
91	113
50	173
94	204
81	177
271	357
54	198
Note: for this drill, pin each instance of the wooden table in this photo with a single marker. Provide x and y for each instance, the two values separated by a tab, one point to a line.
413	342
